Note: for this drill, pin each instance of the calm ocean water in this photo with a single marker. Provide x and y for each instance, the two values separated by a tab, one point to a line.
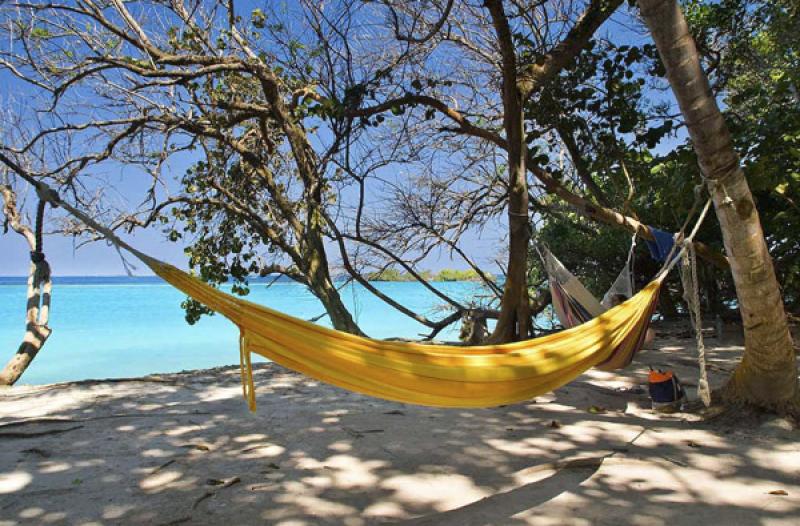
106	327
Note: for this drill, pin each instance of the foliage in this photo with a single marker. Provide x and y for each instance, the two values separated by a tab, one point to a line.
610	132
221	244
447	274
456	275
389	274
286	117
760	73
750	50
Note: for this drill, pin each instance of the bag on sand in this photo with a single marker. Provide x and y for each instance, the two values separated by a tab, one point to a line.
666	391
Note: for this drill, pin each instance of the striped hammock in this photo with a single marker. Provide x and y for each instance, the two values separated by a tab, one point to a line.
572	301
417	373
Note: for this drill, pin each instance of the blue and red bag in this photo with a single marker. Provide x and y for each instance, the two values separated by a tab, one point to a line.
665	389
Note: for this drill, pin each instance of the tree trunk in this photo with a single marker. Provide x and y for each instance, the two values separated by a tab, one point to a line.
514	321
767	374
320	282
36	329
39	287
340	317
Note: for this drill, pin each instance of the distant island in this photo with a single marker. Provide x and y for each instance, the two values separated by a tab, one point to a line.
447	274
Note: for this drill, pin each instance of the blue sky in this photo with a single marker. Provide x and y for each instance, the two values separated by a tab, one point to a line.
71	257
100	259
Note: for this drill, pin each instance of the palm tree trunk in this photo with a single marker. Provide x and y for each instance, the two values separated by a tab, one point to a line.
767	374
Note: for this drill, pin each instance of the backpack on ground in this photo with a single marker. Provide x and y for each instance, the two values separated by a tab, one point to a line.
666	392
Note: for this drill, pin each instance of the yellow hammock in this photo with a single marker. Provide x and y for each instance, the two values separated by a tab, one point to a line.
416	373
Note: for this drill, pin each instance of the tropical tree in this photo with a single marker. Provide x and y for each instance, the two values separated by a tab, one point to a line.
37	310
278	113
767	375
504	45
750	50
232	92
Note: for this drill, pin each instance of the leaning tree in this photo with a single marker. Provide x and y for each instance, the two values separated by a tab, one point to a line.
767	374
39	287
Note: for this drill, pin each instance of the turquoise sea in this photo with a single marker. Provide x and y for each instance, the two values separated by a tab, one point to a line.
107	327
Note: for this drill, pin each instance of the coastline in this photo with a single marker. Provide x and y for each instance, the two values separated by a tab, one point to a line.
130	328
183	448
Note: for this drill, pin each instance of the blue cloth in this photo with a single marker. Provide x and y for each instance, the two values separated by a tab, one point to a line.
662	245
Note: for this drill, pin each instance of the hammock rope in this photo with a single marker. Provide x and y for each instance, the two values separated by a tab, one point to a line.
623	284
433	375
691	294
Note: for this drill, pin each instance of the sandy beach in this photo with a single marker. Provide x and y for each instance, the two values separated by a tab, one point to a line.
183	449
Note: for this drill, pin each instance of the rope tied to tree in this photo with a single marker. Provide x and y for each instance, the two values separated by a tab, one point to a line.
37	254
691	294
716	184
688	256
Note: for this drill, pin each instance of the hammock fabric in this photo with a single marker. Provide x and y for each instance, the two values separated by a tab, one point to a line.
572	301
416	373
569	310
623	285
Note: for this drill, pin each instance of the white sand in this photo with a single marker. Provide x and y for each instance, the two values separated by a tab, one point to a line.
183	449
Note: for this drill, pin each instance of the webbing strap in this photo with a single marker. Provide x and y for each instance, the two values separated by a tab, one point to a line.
246	370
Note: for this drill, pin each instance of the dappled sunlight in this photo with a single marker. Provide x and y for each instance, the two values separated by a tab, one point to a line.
257	450
186	450
185	430
297	495
157	453
53	467
599	433
221	394
115	511
14	481
530	447
344	471
439	491
160	480
385	510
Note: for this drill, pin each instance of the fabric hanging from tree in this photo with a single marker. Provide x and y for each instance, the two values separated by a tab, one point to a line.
623	285
661	246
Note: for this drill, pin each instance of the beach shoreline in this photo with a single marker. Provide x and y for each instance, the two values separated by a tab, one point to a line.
182	448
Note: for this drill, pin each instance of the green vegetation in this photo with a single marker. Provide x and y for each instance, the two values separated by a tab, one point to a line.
750	49
447	274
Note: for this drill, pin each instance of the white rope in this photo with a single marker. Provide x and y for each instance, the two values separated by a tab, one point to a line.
687	255
672	257
691	294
